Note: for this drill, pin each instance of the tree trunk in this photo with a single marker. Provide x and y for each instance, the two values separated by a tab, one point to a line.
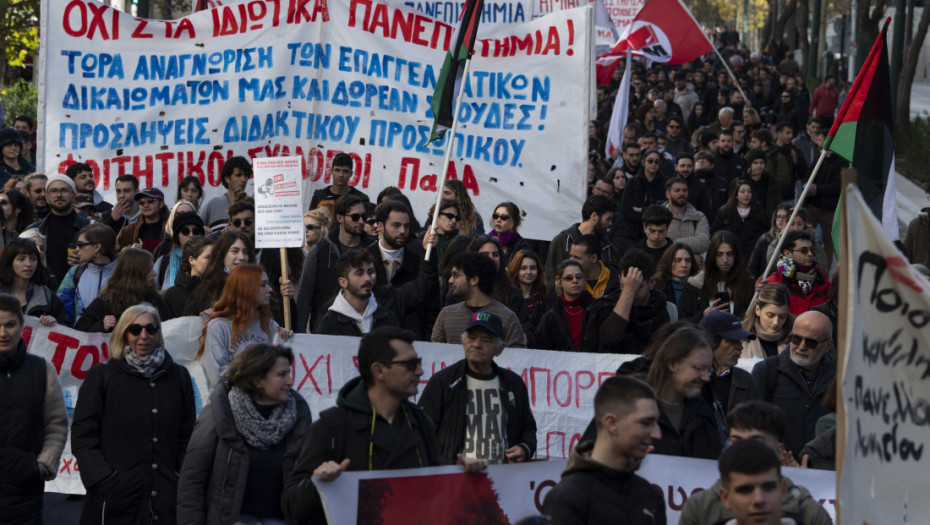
909	68
803	23
867	19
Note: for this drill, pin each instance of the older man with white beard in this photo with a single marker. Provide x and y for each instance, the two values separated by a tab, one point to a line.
797	379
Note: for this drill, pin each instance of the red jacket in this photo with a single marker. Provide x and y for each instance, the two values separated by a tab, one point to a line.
800	302
824	101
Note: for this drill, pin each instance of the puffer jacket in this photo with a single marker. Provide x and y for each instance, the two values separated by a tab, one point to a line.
76	296
216	467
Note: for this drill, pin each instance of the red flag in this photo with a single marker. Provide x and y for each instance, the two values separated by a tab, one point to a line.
664	31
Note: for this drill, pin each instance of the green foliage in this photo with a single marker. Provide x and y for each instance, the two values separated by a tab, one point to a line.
22	98
19	30
912	142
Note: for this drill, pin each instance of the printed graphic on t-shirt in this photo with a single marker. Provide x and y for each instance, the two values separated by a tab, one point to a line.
484	421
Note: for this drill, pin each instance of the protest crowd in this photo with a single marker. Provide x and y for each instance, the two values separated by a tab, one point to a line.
663	261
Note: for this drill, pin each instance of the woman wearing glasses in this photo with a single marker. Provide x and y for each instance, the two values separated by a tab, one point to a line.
132	282
132	422
504	223
241	317
246	441
95	254
184	226
567	325
315	225
679	372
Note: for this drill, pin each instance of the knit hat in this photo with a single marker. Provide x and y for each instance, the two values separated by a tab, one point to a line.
58	177
8	135
187	218
756	154
707	136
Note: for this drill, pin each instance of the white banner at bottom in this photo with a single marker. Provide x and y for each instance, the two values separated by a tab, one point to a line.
509	493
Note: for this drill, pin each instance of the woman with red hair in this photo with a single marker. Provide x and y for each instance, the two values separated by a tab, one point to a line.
241	317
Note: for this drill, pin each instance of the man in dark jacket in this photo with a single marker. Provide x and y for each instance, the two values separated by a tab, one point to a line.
731	384
797	379
372	427
318	284
355	311
34	422
599	485
61	226
597	216
482	411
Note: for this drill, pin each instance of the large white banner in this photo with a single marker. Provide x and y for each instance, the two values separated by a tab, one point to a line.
561	385
265	78
886	382
509	493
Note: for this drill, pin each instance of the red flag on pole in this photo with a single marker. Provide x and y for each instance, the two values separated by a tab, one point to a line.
664	31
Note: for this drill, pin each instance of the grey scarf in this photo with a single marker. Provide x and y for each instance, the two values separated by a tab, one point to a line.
257	431
765	336
145	365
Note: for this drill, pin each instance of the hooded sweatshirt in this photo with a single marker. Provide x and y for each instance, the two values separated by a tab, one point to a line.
363	321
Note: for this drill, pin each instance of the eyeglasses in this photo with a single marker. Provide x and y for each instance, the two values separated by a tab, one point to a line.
809	342
312	227
670	126
59	191
371	222
136	329
700	370
450	216
191	230
355	217
248	221
412	364
652	161
803	250
571	278
501	217
80	244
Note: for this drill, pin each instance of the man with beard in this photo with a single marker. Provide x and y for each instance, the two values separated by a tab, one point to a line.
731	384
688	226
341	170
372	427
685	95
126	211
797	379
318	280
401	258
739	137
472	281
729	165
235	176
83	176
355	311
675	143
61	225
597	217
35	191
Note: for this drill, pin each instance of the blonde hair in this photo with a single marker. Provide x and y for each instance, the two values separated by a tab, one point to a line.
319	215
169	232
118	336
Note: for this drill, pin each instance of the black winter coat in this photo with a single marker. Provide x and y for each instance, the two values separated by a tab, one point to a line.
554	333
216	467
22	399
129	435
802	405
444	400
92	318
699	435
591	493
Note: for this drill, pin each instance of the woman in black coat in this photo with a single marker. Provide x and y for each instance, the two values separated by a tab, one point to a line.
132	422
568	324
504	223
194	261
742	215
246	441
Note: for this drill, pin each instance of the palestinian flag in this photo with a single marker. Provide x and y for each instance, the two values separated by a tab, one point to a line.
862	134
461	47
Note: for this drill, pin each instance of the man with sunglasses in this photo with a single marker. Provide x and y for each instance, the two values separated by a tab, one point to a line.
319	277
798	270
675	143
341	172
148	231
481	410
798	378
372	427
